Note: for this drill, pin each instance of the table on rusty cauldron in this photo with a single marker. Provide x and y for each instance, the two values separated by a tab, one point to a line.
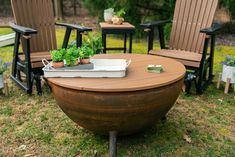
121	106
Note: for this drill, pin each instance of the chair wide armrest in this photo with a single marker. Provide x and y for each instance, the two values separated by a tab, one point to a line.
74	26
214	29
22	30
155	23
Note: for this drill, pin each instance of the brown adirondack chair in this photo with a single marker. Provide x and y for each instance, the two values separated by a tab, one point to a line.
35	28
192	30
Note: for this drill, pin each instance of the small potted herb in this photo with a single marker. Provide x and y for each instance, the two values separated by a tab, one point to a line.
57	57
71	56
118	17
3	68
229	69
85	52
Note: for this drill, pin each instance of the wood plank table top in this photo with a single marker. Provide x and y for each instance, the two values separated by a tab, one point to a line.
125	25
138	78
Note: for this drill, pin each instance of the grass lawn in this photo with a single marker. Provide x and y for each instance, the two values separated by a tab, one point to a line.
197	125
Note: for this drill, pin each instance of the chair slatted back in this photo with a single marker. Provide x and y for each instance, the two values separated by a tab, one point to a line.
37	14
189	18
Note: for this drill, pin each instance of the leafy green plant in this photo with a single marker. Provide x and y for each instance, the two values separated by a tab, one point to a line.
3	66
85	52
71	56
94	41
58	55
120	13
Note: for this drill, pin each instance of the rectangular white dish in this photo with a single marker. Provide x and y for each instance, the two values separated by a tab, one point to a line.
102	68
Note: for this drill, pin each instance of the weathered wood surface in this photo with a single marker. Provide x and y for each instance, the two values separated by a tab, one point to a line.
104	105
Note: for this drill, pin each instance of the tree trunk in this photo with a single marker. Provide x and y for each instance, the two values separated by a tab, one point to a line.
58	9
75	7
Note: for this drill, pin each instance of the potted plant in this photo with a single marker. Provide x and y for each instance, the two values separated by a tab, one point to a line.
118	17
85	52
3	68
108	15
229	69
94	41
57	57
71	56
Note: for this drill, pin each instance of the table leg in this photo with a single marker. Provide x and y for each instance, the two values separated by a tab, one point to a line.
125	36
130	48
104	42
219	80
227	86
112	144
79	39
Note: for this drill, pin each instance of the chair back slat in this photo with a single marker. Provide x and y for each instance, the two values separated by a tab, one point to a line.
37	14
189	18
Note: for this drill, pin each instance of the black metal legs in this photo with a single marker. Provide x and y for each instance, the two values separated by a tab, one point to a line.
66	37
37	78
112	144
25	67
125	37
104	39
104	42
130	48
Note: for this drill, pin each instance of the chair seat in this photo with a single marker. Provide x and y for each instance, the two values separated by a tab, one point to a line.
187	58
36	58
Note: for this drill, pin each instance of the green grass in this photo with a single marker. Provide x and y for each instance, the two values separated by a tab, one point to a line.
39	124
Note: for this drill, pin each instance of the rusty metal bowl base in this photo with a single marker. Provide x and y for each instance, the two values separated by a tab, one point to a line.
123	112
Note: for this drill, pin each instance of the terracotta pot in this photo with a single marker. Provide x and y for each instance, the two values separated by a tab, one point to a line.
58	64
117	20
85	61
77	62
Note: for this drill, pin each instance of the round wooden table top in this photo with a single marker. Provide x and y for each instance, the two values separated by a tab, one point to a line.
137	77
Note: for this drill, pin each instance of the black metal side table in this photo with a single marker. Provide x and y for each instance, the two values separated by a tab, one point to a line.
125	29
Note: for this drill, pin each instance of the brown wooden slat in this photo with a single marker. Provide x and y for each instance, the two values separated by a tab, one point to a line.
185	57
189	24
194	24
36	58
179	24
208	22
180	41
202	15
174	25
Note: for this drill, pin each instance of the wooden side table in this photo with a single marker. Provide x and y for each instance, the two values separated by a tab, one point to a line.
126	29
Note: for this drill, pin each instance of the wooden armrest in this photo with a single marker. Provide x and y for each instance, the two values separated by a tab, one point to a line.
22	30
212	30
74	26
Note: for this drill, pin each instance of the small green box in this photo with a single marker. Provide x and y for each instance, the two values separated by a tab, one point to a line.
155	68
